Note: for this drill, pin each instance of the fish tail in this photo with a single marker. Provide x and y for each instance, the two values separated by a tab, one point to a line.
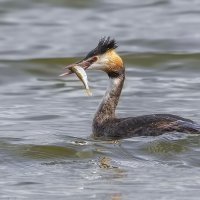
88	92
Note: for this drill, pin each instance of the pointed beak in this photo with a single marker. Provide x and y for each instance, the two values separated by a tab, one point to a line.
85	63
68	70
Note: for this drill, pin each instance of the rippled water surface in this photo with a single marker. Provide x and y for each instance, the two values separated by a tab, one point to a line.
45	121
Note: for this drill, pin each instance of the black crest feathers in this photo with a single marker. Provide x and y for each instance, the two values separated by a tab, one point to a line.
104	45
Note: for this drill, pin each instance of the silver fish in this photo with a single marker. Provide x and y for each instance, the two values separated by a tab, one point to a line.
80	72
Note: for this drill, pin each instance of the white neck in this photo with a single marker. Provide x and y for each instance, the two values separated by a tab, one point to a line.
110	100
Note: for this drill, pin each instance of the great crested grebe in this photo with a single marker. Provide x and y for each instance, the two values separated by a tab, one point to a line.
106	125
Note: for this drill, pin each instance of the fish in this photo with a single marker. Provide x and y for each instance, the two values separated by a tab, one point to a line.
81	74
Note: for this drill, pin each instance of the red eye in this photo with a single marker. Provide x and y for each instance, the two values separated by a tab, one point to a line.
94	59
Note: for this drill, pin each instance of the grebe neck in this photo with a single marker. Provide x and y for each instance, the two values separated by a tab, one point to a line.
110	100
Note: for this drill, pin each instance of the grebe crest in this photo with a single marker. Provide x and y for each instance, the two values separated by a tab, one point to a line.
105	58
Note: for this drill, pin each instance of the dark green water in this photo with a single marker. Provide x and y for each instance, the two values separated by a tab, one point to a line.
45	121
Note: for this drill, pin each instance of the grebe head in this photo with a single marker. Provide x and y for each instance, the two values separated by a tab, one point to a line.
103	57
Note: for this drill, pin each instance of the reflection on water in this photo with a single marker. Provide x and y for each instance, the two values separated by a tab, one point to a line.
45	121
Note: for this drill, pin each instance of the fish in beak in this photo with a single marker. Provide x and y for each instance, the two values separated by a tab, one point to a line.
79	69
85	63
103	57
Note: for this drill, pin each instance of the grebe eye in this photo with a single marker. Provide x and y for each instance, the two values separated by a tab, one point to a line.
94	58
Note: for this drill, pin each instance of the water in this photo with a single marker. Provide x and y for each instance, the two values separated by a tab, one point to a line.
45	148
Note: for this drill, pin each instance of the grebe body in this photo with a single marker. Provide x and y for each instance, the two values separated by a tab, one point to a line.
106	125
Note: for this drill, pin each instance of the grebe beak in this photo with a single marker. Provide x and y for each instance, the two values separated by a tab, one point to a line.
85	63
67	70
